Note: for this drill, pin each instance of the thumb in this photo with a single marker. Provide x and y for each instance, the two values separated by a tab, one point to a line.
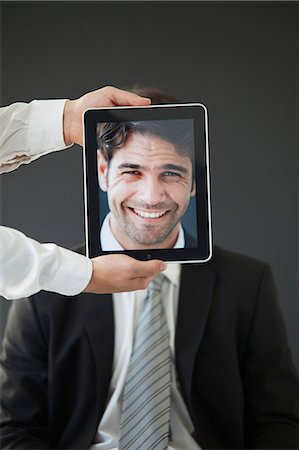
149	268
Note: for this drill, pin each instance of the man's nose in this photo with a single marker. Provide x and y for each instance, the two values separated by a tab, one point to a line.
153	191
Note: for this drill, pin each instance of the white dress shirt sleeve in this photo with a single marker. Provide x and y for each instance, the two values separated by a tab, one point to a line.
25	134
28	131
28	267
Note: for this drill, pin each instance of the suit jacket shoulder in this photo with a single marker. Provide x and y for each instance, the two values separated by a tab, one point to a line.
232	361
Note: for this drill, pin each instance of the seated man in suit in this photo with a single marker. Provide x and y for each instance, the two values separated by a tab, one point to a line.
147	170
65	362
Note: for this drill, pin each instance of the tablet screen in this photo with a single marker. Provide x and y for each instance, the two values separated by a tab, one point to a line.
147	182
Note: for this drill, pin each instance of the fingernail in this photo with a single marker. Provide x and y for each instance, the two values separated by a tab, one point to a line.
163	266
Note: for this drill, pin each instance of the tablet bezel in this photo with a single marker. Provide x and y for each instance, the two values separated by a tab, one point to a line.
195	111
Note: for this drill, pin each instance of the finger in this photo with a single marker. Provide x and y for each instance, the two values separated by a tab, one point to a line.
121	97
140	283
145	269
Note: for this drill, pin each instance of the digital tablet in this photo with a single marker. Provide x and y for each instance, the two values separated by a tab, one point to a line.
146	175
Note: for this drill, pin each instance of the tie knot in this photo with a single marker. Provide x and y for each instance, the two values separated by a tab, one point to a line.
156	283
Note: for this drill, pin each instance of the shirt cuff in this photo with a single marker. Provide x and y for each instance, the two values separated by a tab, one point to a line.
73	272
46	126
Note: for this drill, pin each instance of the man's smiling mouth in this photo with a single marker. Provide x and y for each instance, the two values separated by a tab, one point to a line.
147	214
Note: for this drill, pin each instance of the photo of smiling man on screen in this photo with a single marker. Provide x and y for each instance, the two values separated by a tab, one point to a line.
147	170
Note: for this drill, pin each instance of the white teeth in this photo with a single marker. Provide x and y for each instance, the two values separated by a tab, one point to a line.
148	215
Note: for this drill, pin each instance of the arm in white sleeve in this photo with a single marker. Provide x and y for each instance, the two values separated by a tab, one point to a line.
28	267
30	130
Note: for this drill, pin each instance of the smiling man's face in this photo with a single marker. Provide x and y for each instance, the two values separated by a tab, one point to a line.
149	187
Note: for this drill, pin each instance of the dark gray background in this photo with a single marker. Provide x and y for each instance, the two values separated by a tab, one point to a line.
240	59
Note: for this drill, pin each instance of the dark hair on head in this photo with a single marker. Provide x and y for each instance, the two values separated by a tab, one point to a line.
113	135
157	96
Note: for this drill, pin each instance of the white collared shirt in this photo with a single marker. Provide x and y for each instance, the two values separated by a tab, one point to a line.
127	306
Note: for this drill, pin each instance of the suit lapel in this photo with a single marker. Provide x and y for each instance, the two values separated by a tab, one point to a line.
197	285
97	316
196	290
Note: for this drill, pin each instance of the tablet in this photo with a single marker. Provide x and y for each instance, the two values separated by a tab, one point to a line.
146	176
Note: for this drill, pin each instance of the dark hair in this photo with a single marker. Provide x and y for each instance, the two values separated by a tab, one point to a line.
113	135
157	96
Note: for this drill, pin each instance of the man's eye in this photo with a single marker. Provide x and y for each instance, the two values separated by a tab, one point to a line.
131	172
171	174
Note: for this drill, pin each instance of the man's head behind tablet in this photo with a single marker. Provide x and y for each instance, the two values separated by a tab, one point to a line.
147	170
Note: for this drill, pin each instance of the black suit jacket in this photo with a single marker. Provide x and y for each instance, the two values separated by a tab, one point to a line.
232	359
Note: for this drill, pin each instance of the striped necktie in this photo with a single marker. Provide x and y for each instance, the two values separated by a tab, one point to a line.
146	400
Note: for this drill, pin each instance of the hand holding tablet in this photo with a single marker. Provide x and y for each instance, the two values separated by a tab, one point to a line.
147	182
